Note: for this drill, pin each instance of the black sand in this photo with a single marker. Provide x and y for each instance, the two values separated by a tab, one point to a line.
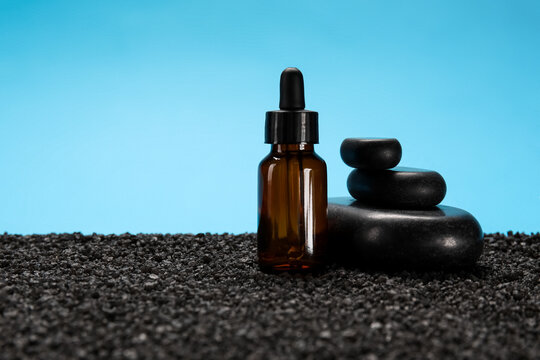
201	296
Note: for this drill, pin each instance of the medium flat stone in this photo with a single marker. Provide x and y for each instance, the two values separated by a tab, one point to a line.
440	237
371	153
400	187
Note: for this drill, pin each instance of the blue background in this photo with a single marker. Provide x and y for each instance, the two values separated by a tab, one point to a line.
148	116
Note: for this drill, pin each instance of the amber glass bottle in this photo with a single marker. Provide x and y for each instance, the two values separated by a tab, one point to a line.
292	231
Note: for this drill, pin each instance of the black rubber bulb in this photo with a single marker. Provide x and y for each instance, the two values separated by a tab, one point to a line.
291	90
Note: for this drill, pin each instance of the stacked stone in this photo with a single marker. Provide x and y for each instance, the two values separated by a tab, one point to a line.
393	219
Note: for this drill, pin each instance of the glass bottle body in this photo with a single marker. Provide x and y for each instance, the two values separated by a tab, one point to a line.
292	227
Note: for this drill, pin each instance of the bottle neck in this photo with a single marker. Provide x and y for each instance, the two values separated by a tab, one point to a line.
284	148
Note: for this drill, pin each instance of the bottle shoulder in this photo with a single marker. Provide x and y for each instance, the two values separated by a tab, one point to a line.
266	160
309	159
316	156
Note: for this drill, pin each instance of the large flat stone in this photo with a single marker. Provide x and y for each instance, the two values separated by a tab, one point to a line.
440	237
400	187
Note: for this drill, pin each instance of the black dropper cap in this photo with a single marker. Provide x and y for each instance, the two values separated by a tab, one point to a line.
291	124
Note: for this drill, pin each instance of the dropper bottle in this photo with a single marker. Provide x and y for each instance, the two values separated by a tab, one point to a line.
292	227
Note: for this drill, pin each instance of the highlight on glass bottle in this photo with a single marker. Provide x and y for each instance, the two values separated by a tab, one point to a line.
292	227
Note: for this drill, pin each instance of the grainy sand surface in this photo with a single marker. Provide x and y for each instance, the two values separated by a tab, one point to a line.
203	297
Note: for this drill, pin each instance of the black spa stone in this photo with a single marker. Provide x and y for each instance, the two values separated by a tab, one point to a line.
400	187
371	153
439	238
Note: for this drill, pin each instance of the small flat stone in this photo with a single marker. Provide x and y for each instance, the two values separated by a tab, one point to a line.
371	153
438	238
400	187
